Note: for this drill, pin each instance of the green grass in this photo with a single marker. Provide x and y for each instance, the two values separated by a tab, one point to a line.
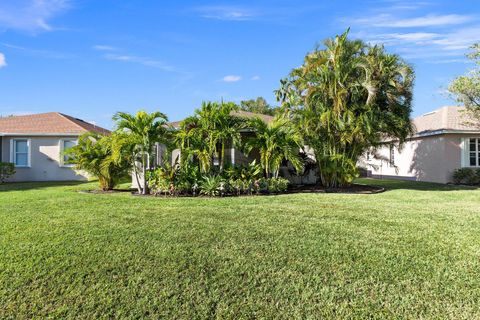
410	252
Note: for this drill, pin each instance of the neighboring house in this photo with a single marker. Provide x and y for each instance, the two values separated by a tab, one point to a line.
35	144
442	143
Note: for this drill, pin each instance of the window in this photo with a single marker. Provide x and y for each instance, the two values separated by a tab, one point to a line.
392	156
64	146
21	152
474	152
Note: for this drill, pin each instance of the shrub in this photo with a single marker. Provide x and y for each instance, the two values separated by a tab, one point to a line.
7	170
276	185
466	176
96	154
212	186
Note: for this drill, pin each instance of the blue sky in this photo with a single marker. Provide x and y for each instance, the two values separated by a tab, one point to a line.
91	58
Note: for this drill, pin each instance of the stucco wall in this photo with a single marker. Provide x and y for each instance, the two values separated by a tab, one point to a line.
45	161
431	159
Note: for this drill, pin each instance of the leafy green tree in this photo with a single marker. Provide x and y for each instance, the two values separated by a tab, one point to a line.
205	135
144	131
347	98
94	154
276	141
259	105
466	88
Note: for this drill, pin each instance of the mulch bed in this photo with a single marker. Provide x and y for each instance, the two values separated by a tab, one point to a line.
353	189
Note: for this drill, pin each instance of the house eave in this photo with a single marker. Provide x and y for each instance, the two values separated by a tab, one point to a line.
9	134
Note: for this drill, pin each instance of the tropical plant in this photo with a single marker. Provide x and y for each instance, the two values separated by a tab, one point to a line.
212	186
466	88
276	141
94	154
204	136
347	98
277	185
7	170
145	131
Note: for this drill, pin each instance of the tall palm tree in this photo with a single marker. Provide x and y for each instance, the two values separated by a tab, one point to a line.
276	141
347	98
206	134
145	130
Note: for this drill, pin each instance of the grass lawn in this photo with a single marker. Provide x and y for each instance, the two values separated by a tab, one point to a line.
410	252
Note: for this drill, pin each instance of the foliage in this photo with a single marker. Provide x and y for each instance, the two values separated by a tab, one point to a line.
467	176
95	155
276	141
203	137
144	130
212	186
466	88
7	170
277	185
259	105
347	98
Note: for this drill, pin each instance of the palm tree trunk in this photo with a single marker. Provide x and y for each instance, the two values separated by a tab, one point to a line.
135	172
144	169
222	158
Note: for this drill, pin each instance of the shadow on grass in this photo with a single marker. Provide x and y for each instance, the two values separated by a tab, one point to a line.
19	186
393	184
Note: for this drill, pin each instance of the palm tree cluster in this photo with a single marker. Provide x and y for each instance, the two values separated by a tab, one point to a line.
347	99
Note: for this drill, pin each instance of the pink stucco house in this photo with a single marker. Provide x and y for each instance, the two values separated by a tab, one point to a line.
443	142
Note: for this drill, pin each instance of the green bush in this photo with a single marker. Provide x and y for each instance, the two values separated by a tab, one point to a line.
276	185
7	170
212	186
468	176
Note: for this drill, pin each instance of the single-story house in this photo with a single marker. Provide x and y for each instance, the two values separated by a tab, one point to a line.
35	144
443	141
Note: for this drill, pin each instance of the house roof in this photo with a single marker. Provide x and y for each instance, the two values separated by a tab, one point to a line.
240	114
47	124
449	118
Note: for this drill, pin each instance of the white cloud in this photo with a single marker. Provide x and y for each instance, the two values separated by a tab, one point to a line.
30	15
140	60
3	62
226	13
231	78
255	78
388	20
101	47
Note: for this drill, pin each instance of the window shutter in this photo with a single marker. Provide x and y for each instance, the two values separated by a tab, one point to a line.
11	150
464	152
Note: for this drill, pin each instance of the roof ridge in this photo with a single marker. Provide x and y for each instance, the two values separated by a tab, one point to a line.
70	120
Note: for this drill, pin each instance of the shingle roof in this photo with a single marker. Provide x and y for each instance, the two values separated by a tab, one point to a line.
240	113
47	123
446	118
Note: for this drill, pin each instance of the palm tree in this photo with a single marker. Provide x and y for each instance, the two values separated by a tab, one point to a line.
205	135
348	98
276	141
144	130
94	154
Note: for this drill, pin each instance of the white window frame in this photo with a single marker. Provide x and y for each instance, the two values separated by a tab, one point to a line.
468	152
13	152
61	155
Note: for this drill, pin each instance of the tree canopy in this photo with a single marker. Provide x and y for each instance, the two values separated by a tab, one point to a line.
346	98
258	105
466	88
